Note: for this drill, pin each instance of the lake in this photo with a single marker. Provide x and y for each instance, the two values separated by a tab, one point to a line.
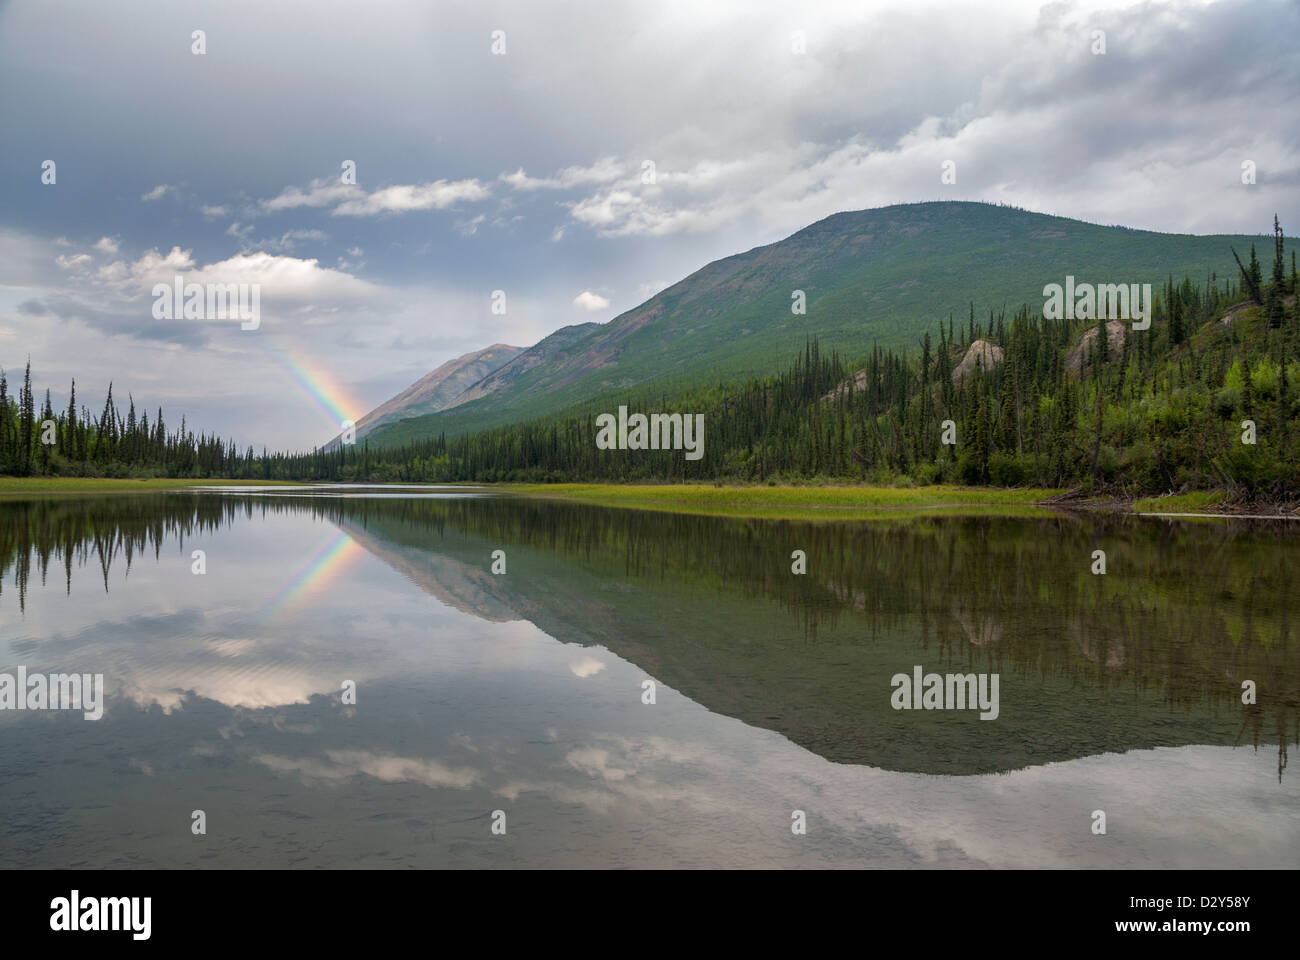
340	679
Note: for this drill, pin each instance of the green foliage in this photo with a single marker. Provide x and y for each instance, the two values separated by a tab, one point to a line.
1008	470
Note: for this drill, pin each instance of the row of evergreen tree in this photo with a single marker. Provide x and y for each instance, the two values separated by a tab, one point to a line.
74	442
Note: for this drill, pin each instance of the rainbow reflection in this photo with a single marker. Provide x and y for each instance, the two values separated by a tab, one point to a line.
327	565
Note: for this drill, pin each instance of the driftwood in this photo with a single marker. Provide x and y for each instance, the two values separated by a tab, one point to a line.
1254	290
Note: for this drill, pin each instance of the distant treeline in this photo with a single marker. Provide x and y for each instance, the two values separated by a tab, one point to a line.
74	442
1067	403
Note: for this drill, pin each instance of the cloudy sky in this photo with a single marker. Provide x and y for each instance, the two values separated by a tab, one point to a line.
524	169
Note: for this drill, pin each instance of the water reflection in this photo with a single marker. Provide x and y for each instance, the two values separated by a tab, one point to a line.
228	682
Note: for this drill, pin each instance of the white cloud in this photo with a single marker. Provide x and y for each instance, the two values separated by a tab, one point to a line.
156	192
282	278
107	245
590	301
604	170
352	201
438	195
154	266
347	764
586	667
112	272
320	193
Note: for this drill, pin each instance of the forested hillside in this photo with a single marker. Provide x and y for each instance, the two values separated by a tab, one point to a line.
867	278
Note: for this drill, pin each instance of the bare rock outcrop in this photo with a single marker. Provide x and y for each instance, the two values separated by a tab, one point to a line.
1116	332
982	352
852	385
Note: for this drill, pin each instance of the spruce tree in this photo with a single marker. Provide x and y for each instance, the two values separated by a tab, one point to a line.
1177	329
47	416
26	422
68	441
6	447
1275	310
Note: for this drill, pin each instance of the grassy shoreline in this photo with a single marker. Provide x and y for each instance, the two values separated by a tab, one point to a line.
823	502
796	502
862	502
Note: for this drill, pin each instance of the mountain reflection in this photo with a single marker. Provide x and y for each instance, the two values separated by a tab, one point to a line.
1154	653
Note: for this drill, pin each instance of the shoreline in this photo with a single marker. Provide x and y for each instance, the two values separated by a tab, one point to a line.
24	486
788	501
840	502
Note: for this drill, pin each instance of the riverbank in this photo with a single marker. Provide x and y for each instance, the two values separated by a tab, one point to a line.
1198	503
863	502
11	485
796	502
823	502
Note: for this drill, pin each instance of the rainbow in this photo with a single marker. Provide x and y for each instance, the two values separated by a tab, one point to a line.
324	390
328	563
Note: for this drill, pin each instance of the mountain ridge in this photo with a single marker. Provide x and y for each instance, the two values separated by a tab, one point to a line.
435	390
881	275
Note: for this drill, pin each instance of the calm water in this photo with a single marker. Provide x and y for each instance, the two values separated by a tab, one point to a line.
523	692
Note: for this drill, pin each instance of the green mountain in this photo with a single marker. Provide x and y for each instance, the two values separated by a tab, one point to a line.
436	390
878	276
